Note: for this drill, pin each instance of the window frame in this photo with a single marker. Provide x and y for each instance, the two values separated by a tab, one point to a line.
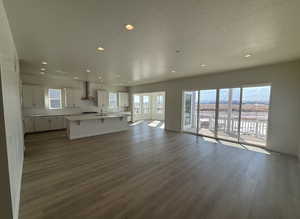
110	105
60	99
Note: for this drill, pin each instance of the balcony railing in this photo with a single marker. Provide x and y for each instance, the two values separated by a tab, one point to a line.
249	126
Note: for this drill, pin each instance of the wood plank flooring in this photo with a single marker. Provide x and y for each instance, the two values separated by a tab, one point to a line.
148	173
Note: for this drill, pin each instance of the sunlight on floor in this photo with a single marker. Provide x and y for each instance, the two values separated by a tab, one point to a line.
161	125
136	123
210	140
154	123
232	144
257	149
237	145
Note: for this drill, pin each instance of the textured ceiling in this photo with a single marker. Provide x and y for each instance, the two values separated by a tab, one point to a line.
66	33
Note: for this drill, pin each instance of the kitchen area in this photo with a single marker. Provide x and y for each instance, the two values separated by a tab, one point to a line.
83	108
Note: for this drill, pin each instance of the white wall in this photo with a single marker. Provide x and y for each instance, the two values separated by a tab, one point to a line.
285	101
12	135
299	153
55	82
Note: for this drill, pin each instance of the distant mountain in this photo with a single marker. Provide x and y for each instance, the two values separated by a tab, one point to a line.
260	95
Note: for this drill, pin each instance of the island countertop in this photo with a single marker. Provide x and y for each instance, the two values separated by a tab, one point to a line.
93	117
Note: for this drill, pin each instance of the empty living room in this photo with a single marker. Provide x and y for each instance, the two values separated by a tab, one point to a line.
153	109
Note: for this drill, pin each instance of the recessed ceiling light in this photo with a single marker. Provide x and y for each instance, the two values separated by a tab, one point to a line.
43	69
42	73
203	65
88	70
76	78
173	71
129	27
44	63
100	49
248	55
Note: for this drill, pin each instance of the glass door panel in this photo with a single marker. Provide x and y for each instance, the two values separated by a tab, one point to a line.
254	115
229	107
159	104
190	111
136	104
207	112
146	104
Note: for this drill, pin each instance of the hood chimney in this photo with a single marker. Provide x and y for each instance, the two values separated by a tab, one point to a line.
86	87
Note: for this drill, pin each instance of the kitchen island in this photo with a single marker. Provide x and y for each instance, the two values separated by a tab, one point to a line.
81	126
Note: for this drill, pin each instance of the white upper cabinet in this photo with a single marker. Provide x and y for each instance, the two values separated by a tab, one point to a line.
123	99
102	98
38	97
27	96
72	97
33	96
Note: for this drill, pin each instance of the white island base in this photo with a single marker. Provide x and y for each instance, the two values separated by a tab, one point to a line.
87	125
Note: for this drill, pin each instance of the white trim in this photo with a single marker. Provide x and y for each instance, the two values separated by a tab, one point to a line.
60	99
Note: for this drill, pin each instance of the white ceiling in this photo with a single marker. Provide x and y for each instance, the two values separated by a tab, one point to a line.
218	33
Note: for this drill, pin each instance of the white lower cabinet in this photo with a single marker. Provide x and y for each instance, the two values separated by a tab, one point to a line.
40	124
57	123
28	125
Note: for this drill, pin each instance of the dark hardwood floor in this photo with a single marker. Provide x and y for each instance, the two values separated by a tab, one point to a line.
150	173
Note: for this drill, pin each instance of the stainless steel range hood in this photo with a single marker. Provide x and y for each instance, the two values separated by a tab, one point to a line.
86	87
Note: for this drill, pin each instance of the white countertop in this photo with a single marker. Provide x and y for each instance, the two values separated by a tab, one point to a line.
51	115
93	117
74	114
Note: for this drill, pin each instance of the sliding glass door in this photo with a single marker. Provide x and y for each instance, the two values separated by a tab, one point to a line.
255	115
207	112
235	114
190	109
228	116
146	104
137	104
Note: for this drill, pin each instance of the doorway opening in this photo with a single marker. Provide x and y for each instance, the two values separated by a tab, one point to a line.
149	107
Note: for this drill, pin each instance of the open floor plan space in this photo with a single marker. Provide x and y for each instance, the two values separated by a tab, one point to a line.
149	109
148	172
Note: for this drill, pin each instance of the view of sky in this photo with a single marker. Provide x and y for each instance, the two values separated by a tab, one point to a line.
250	95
